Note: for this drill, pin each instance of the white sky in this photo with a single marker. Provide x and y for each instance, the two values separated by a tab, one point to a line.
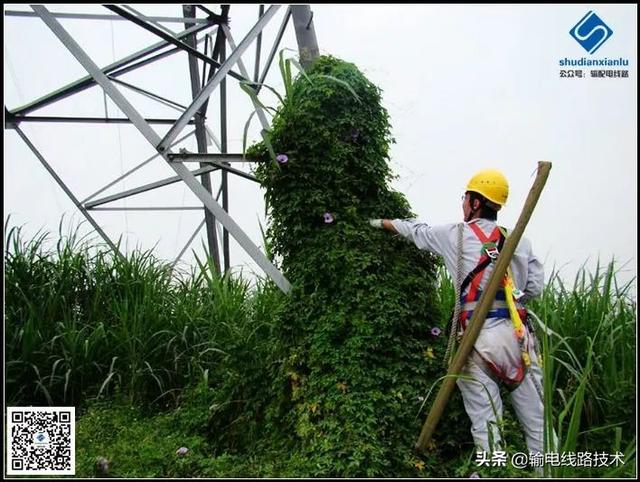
467	87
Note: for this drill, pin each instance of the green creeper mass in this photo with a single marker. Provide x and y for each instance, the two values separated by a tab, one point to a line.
356	326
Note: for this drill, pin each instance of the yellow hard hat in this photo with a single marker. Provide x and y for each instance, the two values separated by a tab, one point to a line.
491	184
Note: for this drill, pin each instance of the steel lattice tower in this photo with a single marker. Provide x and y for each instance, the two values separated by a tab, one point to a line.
214	52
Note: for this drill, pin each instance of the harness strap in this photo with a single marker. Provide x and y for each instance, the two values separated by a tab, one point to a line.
496	313
480	233
484	260
475	277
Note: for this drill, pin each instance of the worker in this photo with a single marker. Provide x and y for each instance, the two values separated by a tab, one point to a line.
505	351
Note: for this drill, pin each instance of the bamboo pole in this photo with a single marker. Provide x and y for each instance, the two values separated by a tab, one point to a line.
479	314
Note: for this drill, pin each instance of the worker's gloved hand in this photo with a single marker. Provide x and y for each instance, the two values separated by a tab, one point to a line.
376	223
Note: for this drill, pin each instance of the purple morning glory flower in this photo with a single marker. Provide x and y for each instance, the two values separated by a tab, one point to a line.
182	451
475	475
328	218
435	331
282	158
355	135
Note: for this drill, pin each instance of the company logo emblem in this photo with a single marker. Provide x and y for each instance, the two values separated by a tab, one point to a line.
40	438
591	32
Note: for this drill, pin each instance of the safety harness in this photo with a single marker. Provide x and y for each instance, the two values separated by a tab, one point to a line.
504	306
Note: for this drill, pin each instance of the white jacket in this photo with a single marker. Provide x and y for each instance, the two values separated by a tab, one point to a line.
527	270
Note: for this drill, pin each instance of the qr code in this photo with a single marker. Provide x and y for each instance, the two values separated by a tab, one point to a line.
41	440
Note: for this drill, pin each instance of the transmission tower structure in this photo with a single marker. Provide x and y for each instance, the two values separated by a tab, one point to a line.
206	38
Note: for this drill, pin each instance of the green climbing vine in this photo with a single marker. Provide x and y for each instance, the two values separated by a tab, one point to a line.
360	352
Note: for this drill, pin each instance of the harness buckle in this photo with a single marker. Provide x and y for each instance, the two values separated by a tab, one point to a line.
492	250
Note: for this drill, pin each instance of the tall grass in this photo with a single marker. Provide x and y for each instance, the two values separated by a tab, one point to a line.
589	346
82	323
593	321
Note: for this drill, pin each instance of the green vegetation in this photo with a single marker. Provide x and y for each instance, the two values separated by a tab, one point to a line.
354	328
218	410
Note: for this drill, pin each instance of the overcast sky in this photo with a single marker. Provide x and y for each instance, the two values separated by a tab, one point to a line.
467	87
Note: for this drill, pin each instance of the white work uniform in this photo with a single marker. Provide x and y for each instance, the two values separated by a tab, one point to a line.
497	341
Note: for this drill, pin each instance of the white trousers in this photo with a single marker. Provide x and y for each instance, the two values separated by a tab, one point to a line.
481	395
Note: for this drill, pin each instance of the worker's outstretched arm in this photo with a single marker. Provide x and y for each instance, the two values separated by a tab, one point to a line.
436	239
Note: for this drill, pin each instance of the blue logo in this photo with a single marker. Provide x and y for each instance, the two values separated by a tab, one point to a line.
591	32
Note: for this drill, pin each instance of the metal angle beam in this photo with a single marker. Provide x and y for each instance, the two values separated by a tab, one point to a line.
259	110
201	139
207	40
97	16
206	10
193	236
147	61
88	81
215	53
230	169
218	227
212	137
198	157
256	105
223	143
160	33
9	119
256	70
87	120
211	17
213	83
147	19
274	49
146	187
151	208
151	95
134	169
250	248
